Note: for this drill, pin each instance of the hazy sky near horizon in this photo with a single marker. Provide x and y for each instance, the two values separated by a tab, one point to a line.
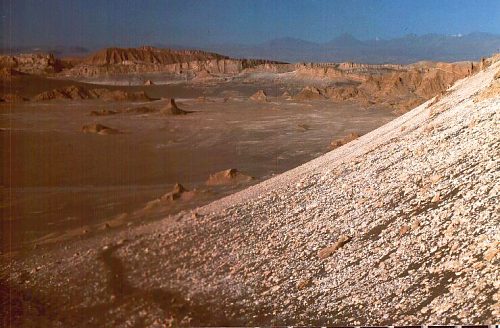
95	23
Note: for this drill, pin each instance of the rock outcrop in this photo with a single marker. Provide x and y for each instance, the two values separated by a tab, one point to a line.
309	93
226	177
203	75
177	191
341	93
259	96
172	109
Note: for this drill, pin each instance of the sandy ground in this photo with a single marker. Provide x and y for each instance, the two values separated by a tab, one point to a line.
61	182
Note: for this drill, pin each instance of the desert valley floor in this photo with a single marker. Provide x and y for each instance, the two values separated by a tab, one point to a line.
65	181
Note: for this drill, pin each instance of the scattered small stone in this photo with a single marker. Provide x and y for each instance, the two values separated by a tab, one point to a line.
303	283
121	242
436	198
403	230
490	254
435	178
478	265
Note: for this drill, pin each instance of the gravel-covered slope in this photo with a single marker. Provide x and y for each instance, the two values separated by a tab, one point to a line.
401	226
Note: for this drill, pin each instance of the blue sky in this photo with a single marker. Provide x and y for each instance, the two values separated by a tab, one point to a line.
95	23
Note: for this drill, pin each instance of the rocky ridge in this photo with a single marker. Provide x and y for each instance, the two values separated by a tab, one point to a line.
73	92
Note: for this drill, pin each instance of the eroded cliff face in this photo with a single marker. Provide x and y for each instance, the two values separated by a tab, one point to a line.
151	60
148	55
217	66
350	71
252	65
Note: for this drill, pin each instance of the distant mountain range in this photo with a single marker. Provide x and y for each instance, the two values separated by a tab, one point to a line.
404	50
344	48
58	51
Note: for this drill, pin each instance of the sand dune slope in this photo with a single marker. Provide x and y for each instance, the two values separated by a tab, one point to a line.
400	226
